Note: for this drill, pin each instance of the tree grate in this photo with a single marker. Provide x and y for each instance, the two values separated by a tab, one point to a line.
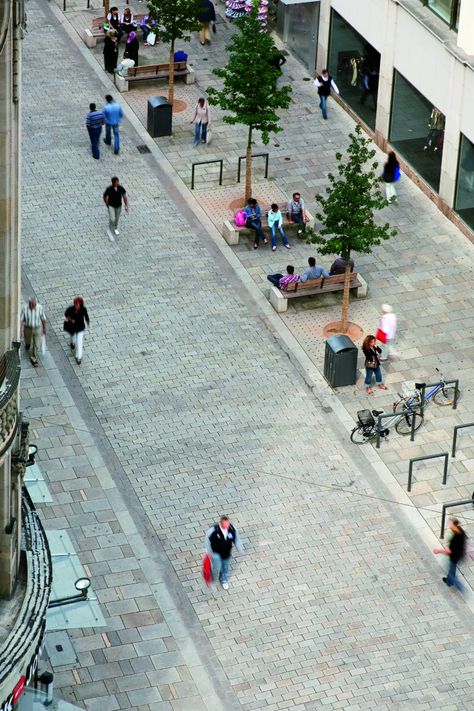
143	149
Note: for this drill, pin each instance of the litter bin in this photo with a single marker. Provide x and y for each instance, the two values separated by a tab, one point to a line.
160	116
340	361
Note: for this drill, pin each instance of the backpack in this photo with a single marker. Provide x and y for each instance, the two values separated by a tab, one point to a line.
240	218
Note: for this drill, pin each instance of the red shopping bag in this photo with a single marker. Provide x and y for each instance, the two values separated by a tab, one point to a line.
381	336
207	569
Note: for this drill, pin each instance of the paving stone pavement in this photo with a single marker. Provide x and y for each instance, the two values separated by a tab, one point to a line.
187	404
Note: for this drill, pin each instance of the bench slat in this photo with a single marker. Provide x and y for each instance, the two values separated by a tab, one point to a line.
313	287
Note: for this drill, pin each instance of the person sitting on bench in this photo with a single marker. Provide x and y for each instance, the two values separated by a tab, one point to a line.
339	266
313	272
282	281
295	211
254	221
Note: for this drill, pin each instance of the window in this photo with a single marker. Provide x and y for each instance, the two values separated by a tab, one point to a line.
464	200
448	10
354	65
417	130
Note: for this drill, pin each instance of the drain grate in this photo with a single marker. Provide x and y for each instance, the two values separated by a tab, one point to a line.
143	149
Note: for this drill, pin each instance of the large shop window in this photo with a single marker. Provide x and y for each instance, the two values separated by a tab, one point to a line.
298	25
464	202
417	130
354	65
448	10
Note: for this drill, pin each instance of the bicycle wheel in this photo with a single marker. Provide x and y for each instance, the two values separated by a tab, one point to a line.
403	426
361	436
445	396
402	405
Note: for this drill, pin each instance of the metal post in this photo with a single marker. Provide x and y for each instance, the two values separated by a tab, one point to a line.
238	171
266	166
206	162
379	423
64	5
221	168
455	435
456	394
425	458
413	422
410	471
447	505
422	405
445	472
192	176
255	155
443	520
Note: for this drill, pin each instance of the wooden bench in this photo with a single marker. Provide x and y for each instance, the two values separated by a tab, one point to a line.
149	72
231	233
90	36
315	287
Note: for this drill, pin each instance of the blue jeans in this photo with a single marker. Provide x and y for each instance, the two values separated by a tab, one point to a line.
369	372
220	568
108	137
200	132
451	578
94	135
255	224
298	217
323	106
274	279
274	237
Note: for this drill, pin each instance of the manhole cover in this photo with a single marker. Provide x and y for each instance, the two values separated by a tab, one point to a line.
286	158
143	149
306	78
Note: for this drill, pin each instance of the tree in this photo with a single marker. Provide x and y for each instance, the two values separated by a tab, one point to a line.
176	18
347	213
249	92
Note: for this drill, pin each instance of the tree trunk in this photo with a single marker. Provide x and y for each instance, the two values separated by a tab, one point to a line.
106	8
171	79
345	295
248	167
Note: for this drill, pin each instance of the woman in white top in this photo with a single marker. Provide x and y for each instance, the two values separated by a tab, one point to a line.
388	324
201	121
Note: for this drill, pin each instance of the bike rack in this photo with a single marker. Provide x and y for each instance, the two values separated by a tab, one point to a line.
255	155
455	436
205	162
386	415
425	457
434	385
462	502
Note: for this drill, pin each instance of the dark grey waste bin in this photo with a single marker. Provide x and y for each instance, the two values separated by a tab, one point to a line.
160	116
340	361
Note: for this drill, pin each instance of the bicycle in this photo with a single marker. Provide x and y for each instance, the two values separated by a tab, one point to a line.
405	410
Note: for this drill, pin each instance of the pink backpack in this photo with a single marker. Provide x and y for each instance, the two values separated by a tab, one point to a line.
240	218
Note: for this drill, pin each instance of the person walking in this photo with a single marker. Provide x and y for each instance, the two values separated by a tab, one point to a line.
372	364
32	328
388	325
94	122
325	84
111	41
113	197
275	222
113	113
390	175
201	121
77	316
206	17
254	221
456	551
220	538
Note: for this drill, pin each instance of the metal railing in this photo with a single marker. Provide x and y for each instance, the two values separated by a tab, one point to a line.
455	436
448	505
254	155
434	385
425	457
394	416
205	162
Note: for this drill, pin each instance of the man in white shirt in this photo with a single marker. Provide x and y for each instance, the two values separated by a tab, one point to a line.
32	327
325	84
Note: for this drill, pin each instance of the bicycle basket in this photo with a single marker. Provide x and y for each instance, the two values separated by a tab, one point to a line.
365	417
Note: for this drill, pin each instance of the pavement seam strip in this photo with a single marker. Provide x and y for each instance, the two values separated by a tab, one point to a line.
287	341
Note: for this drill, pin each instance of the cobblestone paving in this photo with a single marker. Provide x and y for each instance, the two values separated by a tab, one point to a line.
185	406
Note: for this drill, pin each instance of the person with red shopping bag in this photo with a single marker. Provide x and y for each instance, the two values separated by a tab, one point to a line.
387	332
220	538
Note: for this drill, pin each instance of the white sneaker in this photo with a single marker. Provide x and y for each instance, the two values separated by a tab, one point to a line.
225	586
117	232
110	235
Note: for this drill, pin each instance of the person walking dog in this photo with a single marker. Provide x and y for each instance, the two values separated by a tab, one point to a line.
372	363
220	538
77	317
32	328
113	197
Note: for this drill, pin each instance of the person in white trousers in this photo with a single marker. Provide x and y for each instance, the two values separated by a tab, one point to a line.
388	324
77	316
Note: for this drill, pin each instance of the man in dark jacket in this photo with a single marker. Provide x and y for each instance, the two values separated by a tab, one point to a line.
339	266
207	16
456	552
219	541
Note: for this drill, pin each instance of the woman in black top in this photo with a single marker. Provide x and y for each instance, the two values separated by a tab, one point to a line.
372	363
110	51
77	317
390	175
131	48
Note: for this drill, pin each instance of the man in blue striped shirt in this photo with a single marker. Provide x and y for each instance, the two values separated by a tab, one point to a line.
94	122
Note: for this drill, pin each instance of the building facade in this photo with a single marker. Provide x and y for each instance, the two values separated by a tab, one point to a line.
405	69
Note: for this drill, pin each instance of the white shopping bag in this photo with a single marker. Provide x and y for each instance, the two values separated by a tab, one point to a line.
151	39
43	345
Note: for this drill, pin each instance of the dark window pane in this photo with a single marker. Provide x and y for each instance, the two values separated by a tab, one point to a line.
464	202
354	65
417	130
